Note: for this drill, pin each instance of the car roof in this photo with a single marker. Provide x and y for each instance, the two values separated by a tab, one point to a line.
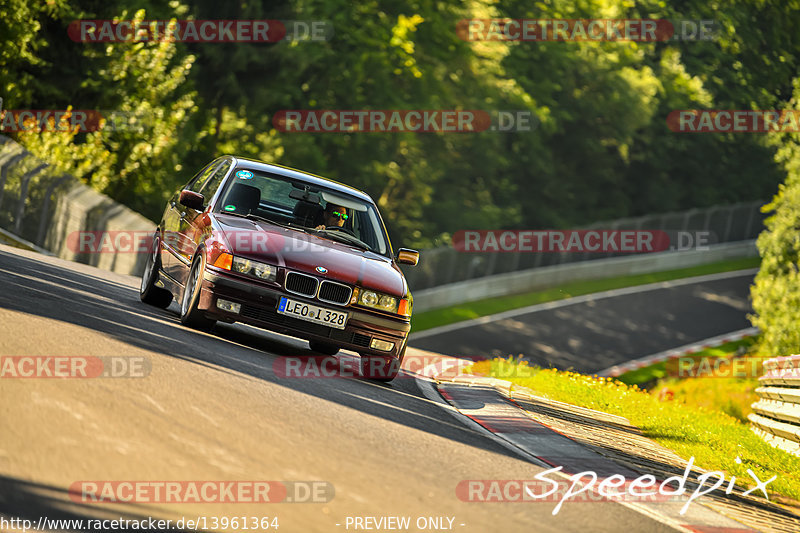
299	175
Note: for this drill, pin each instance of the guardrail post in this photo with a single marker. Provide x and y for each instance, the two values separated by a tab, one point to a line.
23	195
728	226
753	210
492	263
48	197
709	214
4	172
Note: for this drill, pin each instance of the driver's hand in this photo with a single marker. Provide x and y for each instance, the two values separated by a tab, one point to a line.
321	226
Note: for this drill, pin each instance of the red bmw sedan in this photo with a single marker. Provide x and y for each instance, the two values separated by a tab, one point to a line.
284	250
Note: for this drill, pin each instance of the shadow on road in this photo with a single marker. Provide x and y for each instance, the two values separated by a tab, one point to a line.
24	500
79	295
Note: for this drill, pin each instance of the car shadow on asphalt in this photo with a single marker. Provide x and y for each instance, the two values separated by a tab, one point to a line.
22	500
93	299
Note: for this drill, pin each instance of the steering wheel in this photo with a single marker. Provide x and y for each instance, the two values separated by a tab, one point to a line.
342	228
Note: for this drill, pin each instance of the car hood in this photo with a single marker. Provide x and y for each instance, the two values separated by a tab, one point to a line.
303	252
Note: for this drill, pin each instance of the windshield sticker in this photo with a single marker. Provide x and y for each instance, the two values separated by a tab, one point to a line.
244	175
230	208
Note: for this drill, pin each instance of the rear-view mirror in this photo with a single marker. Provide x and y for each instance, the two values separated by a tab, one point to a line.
306	196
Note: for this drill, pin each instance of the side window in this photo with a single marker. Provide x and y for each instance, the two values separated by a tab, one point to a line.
209	188
199	180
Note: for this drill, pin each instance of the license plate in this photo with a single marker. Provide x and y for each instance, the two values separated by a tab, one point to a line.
312	313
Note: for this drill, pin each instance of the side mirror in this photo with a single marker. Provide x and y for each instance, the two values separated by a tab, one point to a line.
192	199
406	256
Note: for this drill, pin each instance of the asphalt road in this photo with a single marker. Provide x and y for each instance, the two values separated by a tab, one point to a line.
212	408
601	332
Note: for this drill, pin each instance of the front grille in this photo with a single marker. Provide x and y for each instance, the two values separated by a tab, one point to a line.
361	340
301	284
334	293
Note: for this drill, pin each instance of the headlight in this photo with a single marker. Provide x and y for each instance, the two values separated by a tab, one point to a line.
376	300
254	268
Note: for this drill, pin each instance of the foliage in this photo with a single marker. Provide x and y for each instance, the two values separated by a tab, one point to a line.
776	293
600	148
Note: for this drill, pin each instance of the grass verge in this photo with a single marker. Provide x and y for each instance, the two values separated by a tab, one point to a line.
731	395
714	438
469	310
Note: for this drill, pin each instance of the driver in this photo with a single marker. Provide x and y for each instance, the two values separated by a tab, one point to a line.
334	215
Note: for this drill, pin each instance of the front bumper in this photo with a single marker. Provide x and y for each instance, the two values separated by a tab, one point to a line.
259	308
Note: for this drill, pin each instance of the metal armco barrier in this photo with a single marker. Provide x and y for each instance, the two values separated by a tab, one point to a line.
776	417
40	207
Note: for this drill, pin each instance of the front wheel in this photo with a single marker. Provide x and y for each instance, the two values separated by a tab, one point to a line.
149	292
190	314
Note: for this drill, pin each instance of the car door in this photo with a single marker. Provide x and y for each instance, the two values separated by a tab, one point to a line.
192	229
171	255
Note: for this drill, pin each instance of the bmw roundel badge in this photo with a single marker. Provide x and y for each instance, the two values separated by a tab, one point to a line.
322	270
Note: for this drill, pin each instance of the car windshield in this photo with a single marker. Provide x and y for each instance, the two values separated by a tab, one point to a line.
330	214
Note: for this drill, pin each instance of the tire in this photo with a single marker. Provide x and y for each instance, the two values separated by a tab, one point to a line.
149	292
323	348
190	315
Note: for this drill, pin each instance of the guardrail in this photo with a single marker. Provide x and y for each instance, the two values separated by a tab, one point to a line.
40	208
723	223
776	416
543	277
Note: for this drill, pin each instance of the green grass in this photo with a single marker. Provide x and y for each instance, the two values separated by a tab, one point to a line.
466	311
647	375
732	396
714	438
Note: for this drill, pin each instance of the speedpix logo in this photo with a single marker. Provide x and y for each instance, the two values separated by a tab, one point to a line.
615	487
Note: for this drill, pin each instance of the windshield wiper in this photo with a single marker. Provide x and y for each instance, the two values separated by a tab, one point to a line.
346	238
251	216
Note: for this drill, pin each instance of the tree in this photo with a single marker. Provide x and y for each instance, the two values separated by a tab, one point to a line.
776	292
139	156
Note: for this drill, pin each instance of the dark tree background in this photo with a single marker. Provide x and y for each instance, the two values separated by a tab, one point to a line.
601	148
